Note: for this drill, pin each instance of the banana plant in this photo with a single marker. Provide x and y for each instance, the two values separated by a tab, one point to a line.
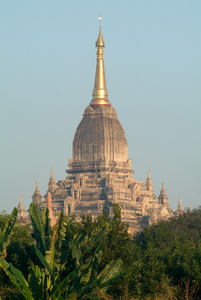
66	266
43	284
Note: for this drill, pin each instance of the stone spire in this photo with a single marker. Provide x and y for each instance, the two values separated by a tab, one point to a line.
180	208
51	184
148	184
49	206
21	211
37	198
163	199
100	94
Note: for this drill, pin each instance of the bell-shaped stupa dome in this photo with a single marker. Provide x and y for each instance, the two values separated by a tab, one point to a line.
100	136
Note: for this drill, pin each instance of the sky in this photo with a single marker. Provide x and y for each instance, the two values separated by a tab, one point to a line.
153	74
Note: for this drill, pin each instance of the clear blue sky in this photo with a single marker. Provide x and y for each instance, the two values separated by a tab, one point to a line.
153	73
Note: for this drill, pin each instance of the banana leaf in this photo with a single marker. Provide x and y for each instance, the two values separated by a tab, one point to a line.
114	268
35	282
38	230
50	254
44	262
7	229
111	273
84	278
46	227
17	279
64	284
54	254
76	253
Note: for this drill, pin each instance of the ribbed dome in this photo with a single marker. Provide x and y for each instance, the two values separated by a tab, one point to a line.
100	136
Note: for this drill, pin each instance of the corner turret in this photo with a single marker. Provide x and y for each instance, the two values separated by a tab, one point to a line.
21	216
148	184
37	198
163	198
180	208
52	183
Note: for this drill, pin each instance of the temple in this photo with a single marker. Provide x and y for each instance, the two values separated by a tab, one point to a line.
100	173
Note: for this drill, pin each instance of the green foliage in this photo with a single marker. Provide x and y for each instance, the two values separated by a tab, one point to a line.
6	228
87	224
165	254
19	251
99	260
7	223
3	219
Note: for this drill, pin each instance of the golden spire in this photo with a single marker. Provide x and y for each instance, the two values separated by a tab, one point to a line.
100	94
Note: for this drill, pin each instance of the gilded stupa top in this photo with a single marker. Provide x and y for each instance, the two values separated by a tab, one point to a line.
100	42
100	94
99	137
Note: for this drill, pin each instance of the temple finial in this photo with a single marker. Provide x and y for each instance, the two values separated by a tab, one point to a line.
100	42
100	19
100	94
37	189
